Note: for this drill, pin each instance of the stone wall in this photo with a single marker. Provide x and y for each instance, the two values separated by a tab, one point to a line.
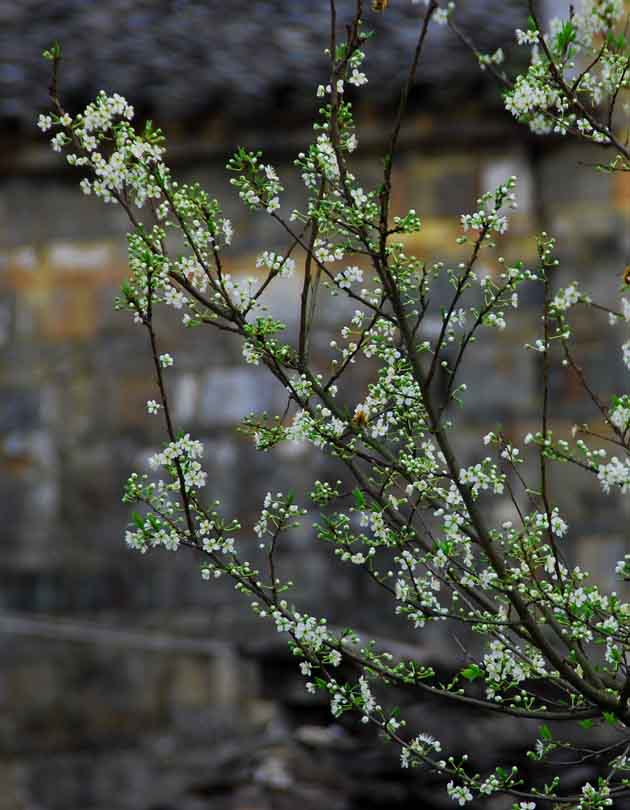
127	681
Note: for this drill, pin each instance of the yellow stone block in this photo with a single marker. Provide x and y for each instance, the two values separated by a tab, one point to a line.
621	190
436	239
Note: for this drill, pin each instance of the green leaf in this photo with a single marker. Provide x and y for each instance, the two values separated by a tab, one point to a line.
155	523
618	43
53	53
565	36
359	498
610	718
137	519
586	723
472	672
545	733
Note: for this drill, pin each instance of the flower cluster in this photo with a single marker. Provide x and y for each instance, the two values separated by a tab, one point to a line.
572	71
567	298
279	513
257	183
616	473
280	265
483	476
488	219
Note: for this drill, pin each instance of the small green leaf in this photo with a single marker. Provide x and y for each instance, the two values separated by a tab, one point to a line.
359	497
53	53
545	733
586	723
565	36
472	672
155	523
618	43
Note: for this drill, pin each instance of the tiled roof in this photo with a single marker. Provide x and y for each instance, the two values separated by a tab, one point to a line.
182	59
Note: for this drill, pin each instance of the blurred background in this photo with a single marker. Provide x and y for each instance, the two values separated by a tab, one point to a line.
127	682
